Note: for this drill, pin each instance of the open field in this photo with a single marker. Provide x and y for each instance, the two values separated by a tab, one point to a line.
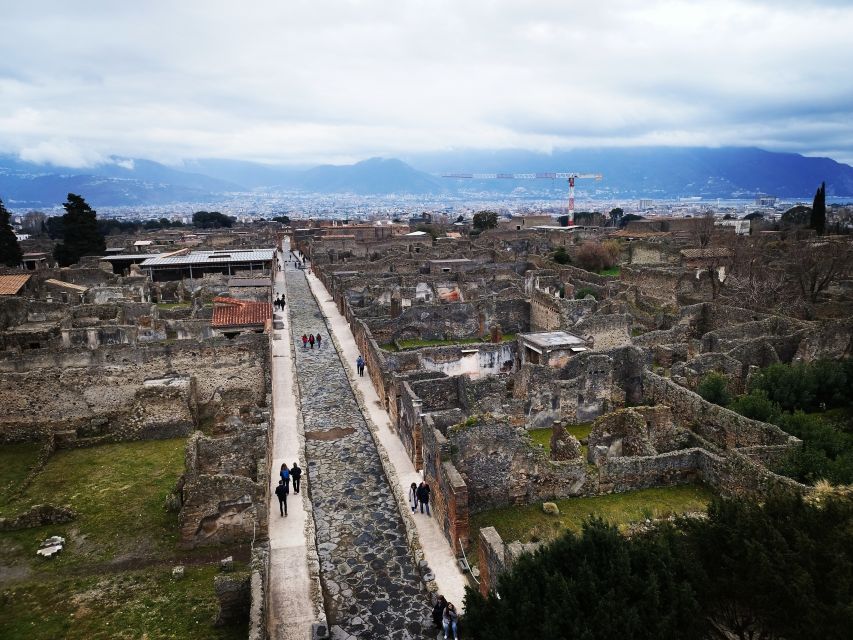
543	436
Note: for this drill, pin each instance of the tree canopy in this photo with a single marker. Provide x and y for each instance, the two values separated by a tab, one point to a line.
782	569
211	220
485	220
818	217
10	251
81	235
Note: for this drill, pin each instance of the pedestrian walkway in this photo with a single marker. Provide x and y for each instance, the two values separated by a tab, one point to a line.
294	599
370	585
438	553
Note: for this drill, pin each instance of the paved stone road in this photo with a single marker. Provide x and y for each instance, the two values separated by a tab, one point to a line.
370	584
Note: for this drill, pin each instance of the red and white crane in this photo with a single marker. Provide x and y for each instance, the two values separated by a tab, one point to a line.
570	177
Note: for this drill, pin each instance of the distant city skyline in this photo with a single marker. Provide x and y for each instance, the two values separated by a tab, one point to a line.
336	82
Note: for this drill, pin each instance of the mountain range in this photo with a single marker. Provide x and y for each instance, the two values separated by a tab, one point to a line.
646	172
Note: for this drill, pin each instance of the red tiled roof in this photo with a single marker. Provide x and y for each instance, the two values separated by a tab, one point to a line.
230	312
10	285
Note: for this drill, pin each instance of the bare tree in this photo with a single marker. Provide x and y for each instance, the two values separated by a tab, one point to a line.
814	265
704	229
33	222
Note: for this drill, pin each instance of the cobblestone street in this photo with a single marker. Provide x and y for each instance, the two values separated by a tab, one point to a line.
370	584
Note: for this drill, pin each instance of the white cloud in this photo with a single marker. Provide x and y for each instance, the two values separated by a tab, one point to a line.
309	81
61	153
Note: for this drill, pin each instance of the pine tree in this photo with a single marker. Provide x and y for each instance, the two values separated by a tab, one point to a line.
81	234
10	252
818	220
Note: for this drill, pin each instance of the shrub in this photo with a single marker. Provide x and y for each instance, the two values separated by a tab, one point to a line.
594	256
583	292
805	386
714	387
756	405
560	256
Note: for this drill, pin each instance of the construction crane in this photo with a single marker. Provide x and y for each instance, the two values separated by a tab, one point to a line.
571	177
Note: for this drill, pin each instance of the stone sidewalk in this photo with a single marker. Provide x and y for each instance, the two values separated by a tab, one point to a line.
294	599
371	586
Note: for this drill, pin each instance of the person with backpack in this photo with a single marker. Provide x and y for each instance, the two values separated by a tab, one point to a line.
311	339
285	476
360	365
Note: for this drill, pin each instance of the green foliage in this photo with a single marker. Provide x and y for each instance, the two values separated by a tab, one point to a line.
597	256
282	219
629	217
10	251
782	569
583	292
561	256
616	216
212	220
818	216
81	236
714	387
806	386
755	215
485	220
756	405
574	587
799	215
55	228
826	453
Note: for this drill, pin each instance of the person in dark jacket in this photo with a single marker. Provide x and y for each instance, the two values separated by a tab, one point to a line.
360	365
296	476
285	476
281	493
438	611
319	340
423	496
450	617
311	339
304	341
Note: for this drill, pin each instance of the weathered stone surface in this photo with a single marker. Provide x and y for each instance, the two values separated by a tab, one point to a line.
38	515
371	584
234	595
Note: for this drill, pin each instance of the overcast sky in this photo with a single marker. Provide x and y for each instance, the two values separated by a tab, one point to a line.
310	81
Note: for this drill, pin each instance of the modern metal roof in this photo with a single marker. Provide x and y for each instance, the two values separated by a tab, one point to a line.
549	340
210	257
129	256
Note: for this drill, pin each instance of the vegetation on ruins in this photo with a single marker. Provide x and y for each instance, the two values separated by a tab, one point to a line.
598	256
629	217
80	233
616	216
714	387
583	292
10	251
818	216
782	569
485	220
212	220
561	256
809	400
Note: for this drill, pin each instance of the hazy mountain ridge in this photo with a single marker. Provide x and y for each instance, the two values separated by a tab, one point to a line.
659	172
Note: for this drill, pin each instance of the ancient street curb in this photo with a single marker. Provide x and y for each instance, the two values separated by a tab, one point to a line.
412	538
309	531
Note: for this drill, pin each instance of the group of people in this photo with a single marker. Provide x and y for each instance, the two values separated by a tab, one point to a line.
283	488
419	495
311	339
278	302
445	615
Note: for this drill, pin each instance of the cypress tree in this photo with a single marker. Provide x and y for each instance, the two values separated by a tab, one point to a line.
81	234
10	252
818	221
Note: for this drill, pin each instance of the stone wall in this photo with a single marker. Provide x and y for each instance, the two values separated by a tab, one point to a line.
607	331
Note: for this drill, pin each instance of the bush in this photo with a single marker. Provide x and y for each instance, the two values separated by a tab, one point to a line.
594	256
714	387
560	256
826	453
756	405
583	292
805	386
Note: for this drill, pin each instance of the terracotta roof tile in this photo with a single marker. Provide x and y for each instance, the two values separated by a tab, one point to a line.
230	312
11	285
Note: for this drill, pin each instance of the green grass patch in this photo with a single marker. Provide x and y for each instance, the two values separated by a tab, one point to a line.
530	524
543	436
140	604
118	491
16	460
174	305
612	271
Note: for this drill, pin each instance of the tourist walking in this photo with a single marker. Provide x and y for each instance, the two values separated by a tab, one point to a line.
423	496
438	610
304	341
281	492
450	617
311	339
296	476
360	365
319	340
285	475
413	496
